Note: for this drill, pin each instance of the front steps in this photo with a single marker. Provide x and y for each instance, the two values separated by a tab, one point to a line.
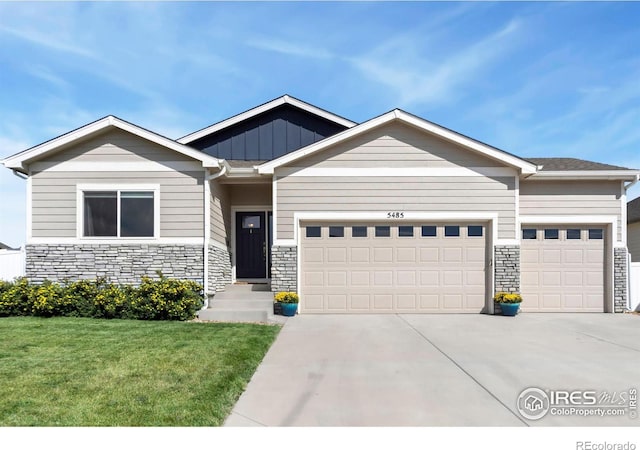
242	303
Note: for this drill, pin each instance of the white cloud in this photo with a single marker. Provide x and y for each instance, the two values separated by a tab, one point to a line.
418	77
289	48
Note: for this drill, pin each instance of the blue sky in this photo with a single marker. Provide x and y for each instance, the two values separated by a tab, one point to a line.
535	79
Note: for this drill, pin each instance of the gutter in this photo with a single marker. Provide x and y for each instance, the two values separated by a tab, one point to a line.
20	174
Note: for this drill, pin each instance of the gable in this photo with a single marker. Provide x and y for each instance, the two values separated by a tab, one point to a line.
267	136
395	145
116	145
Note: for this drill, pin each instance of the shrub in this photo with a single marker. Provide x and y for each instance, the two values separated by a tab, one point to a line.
163	299
287	297
16	298
48	300
166	299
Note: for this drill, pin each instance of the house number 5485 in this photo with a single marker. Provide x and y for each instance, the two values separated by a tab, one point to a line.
395	215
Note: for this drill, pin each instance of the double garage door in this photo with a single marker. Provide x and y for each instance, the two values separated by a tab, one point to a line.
430	268
383	268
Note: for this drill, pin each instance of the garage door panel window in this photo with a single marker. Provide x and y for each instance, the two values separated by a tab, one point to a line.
474	231
358	231
336	232
314	232
573	233
383	231
429	231
529	233
405	231
595	233
551	233
452	231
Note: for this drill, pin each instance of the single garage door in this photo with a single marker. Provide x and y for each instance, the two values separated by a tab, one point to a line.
385	268
562	268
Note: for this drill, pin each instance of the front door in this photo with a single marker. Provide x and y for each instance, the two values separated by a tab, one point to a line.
251	245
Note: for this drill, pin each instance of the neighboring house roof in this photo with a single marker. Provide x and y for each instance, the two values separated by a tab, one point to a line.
6	247
633	211
275	103
20	160
572	164
526	167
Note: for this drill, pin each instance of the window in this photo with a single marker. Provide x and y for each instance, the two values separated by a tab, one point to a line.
251	222
313	232
336	231
595	233
383	231
452	230
474	230
115	213
529	233
551	233
573	233
428	230
359	231
405	231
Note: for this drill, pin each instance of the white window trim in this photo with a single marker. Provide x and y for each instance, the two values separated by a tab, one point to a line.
82	188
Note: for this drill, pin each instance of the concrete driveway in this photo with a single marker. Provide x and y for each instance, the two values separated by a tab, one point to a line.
437	370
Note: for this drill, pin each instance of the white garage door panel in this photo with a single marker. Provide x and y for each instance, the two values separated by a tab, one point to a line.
392	274
562	275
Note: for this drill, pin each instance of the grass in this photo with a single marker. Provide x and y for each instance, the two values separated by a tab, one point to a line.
91	372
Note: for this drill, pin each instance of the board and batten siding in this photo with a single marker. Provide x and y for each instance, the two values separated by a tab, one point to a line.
397	145
54	188
571	198
633	241
410	194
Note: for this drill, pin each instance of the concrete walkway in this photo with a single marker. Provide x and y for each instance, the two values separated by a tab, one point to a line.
436	370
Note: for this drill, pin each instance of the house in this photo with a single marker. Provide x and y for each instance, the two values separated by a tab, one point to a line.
395	214
633	229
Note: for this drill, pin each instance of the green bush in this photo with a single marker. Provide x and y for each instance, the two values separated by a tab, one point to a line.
16	298
163	299
166	299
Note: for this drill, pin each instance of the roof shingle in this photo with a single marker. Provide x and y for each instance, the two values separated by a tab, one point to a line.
572	164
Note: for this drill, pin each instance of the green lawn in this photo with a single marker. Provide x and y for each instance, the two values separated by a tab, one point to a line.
88	372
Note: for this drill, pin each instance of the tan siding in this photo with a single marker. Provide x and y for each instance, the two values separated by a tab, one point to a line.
251	195
633	241
568	198
220	213
117	145
181	200
455	194
396	145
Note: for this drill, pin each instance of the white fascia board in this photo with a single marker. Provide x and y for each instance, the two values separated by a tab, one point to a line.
20	160
544	220
625	175
285	99
526	168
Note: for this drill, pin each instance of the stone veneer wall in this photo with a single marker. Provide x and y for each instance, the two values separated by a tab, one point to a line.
219	269
121	263
619	279
284	267
507	270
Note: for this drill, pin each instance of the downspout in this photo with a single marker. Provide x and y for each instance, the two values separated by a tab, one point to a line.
207	226
626	188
